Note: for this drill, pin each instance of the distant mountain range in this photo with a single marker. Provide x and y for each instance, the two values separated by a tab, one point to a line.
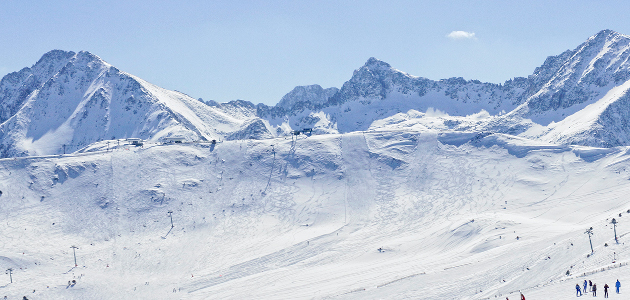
67	101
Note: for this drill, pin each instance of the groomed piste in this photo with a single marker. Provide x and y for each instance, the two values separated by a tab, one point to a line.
396	214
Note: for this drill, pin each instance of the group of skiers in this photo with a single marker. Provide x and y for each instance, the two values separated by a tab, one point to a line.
71	283
593	288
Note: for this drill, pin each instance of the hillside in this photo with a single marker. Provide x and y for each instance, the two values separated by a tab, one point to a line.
304	219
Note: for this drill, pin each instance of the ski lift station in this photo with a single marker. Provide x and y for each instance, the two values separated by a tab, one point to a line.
173	139
135	141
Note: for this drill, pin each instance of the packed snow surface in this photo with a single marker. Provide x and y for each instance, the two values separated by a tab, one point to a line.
397	214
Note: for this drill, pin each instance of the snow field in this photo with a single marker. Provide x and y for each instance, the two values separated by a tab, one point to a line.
304	219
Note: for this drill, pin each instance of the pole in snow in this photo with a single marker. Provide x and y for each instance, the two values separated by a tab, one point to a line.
590	232
75	254
170	214
10	270
614	222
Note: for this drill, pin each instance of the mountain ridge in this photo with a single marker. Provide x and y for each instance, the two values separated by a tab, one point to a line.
88	99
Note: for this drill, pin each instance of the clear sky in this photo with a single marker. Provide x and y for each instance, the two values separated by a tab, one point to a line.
260	50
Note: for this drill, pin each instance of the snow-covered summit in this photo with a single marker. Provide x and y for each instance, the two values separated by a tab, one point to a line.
568	82
581	94
69	100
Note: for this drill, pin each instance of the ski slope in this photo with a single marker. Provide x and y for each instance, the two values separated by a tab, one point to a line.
457	215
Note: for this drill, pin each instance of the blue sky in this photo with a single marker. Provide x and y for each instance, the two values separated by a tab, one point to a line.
260	50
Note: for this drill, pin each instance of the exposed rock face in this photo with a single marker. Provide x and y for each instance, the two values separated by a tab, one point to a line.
306	97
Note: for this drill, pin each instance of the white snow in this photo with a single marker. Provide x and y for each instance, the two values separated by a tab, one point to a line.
304	219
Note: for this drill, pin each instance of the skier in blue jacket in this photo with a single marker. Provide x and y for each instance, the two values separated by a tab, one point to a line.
585	285
578	292
618	285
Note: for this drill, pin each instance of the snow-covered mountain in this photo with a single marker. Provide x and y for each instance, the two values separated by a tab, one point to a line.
568	82
537	107
68	100
585	99
377	91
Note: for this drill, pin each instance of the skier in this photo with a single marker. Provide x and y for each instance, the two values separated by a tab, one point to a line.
585	285
578	292
606	290
594	290
522	297
590	284
618	285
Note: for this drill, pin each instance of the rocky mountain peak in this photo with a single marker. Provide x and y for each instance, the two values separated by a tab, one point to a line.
377	64
87	57
607	34
579	76
308	96
374	68
54	56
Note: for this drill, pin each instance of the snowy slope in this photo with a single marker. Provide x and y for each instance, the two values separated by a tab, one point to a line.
303	219
605	123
